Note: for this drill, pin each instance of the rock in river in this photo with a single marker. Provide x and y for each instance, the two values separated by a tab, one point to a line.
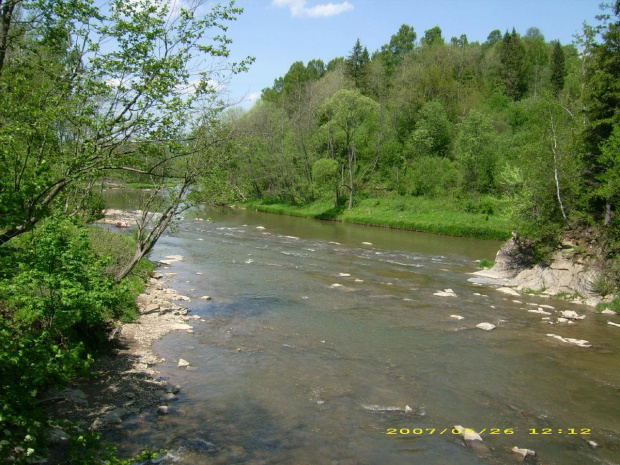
486	326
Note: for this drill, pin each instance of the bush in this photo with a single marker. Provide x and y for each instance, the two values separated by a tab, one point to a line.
57	296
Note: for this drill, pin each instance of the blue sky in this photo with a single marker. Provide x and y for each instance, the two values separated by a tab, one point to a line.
280	32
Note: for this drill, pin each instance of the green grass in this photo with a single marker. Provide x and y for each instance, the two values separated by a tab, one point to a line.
437	216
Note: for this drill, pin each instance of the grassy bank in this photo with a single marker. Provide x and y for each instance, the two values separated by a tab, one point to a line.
480	218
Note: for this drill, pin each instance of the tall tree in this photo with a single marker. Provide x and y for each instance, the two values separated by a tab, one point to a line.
602	95
356	64
401	44
558	72
512	56
347	112
433	36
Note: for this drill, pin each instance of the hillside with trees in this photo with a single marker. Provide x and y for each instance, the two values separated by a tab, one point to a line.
516	132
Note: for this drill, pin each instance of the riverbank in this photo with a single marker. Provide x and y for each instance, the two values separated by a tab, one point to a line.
125	383
479	220
568	274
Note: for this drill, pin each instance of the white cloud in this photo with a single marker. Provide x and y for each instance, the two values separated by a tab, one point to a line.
299	9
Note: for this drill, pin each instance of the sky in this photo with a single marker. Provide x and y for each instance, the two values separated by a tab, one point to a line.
279	32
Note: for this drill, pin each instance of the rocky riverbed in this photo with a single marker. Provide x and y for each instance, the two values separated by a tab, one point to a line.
125	383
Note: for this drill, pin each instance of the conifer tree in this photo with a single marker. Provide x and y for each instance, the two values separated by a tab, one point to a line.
557	68
512	56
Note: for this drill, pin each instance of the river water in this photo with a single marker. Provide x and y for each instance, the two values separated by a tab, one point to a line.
319	334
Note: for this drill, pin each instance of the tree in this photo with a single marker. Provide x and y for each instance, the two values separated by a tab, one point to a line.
536	60
493	37
433	36
512	56
609	179
476	151
86	91
433	131
347	112
558	71
602	98
401	44
356	63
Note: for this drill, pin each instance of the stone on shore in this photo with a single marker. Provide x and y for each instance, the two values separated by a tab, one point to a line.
151	308
613	324
486	326
608	312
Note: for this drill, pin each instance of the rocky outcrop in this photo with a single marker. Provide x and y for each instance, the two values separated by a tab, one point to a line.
566	273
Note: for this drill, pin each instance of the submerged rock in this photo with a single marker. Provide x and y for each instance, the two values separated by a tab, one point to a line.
445	293
526	454
508	290
162	410
199	445
572	315
468	434
570	340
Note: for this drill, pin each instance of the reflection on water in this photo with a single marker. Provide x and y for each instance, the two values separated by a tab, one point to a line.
315	343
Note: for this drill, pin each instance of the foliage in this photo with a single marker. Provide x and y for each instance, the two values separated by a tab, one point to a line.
88	88
56	299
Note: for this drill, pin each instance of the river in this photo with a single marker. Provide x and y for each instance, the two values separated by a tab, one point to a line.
322	339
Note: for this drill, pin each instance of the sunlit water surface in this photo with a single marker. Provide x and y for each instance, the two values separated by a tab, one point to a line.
298	363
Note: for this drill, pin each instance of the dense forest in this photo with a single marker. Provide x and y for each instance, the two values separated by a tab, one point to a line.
515	132
520	130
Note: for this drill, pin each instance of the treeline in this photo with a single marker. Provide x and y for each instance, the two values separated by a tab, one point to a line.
516	124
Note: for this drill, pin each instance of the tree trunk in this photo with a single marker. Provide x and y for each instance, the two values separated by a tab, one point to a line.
350	178
554	149
608	211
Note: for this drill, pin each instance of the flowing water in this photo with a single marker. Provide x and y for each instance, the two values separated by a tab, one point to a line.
319	334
